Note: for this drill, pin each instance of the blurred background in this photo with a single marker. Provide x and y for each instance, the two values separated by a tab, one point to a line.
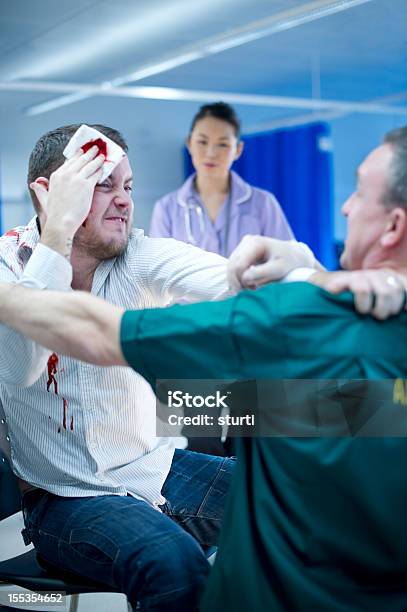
316	85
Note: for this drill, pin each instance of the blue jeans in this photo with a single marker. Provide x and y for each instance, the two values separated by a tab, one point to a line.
155	558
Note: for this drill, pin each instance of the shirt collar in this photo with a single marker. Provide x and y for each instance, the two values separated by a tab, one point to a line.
241	191
187	192
30	235
27	236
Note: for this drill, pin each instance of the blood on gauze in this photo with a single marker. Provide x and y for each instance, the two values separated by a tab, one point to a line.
99	143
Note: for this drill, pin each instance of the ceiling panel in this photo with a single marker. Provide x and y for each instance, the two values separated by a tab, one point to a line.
115	36
359	54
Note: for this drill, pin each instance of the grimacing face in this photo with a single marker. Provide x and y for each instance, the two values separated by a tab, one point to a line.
110	220
213	146
366	215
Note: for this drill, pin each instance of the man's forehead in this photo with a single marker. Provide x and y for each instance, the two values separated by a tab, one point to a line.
123	170
377	162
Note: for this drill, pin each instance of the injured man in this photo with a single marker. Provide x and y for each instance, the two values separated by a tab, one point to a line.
311	523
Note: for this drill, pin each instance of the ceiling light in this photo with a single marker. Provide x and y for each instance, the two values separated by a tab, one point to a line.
169	93
256	30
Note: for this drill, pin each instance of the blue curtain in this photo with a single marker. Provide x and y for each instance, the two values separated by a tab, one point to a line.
296	165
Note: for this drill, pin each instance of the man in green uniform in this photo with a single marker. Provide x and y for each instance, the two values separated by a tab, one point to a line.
312	523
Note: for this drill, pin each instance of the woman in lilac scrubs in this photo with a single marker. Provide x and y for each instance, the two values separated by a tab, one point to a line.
215	207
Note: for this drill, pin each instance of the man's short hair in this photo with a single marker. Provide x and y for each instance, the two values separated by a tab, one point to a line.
397	191
46	157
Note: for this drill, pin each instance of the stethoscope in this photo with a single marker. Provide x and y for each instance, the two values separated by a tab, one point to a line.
192	205
188	206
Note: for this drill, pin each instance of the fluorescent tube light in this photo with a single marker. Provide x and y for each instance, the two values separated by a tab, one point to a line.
256	30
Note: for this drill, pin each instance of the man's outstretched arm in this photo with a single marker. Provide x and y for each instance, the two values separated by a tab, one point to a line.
77	324
157	342
254	334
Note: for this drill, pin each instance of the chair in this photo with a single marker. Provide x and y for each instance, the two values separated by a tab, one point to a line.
28	570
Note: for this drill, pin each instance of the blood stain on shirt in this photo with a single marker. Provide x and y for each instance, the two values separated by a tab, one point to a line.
13	232
65	410
52	371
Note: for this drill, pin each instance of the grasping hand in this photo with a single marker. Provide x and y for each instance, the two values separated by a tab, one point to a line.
258	260
67	197
378	292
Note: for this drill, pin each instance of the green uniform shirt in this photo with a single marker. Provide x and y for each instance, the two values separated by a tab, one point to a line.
311	523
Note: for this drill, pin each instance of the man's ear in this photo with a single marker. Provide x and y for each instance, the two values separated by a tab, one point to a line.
40	188
239	149
395	229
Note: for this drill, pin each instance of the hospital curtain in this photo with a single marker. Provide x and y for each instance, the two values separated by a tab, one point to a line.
296	165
